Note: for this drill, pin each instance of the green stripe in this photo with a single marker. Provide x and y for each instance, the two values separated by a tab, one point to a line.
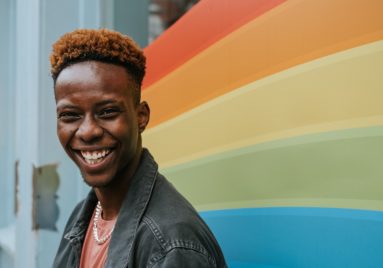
334	169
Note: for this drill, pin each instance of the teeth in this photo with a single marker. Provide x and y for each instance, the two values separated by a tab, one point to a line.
94	157
92	162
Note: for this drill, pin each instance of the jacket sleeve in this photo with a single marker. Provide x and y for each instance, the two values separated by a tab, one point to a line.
181	257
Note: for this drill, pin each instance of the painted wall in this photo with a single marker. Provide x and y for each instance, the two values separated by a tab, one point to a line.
27	116
6	131
268	116
6	115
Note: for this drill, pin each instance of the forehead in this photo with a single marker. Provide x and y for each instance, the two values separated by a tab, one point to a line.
92	78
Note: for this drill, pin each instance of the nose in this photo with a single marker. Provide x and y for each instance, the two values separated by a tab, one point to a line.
89	131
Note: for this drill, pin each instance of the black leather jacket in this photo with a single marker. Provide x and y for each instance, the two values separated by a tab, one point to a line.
156	227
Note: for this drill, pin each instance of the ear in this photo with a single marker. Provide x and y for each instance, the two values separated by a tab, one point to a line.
143	116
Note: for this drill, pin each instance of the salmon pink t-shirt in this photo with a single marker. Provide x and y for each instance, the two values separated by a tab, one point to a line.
94	255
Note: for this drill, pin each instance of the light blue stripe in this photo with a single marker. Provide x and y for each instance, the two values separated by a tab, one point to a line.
298	211
299	237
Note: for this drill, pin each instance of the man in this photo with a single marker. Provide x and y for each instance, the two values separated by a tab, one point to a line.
132	217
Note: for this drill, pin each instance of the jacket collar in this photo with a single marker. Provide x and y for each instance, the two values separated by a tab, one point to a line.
77	233
131	212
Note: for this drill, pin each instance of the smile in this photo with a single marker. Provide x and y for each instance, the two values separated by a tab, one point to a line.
95	157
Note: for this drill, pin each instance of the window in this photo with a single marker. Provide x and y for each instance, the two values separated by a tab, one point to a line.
163	13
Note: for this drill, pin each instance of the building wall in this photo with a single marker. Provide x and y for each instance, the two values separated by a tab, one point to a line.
6	129
6	115
28	120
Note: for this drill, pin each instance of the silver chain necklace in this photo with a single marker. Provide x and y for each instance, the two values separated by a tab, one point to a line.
101	240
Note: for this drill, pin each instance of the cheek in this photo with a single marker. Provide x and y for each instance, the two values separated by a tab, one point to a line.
123	135
64	133
124	128
126	134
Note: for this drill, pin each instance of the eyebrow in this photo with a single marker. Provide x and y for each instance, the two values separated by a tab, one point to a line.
65	106
98	104
107	101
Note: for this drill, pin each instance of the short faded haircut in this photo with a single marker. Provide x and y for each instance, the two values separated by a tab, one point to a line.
99	45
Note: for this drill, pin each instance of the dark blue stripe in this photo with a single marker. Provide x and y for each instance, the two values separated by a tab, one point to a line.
299	237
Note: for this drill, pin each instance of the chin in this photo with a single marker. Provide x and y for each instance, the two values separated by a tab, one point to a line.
97	181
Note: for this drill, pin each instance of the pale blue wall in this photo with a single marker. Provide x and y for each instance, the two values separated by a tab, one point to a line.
27	112
131	17
7	23
6	114
5	260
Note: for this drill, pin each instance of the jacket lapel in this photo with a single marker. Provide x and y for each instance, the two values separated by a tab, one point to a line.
131	212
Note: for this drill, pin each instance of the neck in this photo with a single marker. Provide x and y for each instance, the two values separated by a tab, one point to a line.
112	195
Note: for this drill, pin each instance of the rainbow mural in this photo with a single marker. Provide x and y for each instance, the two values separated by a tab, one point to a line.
268	116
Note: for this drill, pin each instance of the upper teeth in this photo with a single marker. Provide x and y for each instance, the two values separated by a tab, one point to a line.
92	155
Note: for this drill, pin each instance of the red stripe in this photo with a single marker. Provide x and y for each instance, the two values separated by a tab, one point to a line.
206	23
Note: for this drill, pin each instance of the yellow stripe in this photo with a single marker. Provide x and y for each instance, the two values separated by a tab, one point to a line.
332	169
339	91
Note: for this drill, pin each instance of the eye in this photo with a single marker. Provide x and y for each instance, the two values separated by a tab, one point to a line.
68	116
109	113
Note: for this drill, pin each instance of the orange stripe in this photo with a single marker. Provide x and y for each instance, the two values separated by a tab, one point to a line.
293	33
207	22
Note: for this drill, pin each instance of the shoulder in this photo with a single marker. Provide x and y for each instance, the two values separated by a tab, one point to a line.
177	248
175	232
180	257
172	213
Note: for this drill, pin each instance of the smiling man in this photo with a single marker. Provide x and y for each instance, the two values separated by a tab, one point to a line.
132	217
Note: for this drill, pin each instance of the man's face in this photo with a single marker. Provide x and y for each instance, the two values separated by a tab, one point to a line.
98	123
